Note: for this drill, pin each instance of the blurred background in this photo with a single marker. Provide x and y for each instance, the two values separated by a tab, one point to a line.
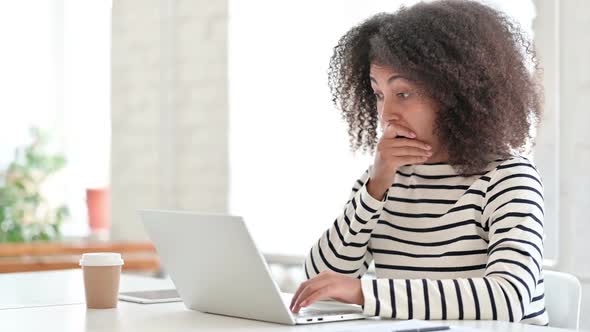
223	106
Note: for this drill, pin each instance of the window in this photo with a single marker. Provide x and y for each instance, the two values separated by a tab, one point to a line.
56	75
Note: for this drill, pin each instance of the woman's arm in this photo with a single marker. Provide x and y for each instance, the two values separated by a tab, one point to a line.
343	247
513	214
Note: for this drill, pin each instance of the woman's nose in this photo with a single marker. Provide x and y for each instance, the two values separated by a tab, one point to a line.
390	117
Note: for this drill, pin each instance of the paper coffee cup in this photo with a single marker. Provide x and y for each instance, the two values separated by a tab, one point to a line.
102	272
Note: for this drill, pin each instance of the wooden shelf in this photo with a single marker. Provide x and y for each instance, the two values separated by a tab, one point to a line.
44	256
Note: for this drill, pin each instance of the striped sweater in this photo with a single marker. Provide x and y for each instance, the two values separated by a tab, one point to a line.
445	246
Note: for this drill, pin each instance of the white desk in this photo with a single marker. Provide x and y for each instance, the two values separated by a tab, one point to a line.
30	293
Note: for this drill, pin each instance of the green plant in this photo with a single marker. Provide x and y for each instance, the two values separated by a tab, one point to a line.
25	215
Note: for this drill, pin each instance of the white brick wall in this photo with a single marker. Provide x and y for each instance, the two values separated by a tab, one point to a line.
546	152
575	147
169	104
565	50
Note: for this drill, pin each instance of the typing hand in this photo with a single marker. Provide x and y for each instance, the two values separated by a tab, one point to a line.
328	284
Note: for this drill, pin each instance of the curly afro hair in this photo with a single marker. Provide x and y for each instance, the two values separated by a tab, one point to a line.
472	60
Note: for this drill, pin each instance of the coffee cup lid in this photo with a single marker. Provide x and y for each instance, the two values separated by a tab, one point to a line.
101	259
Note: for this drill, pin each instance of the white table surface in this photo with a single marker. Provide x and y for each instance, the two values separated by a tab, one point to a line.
54	301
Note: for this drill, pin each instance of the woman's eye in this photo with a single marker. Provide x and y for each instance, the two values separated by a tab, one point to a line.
402	95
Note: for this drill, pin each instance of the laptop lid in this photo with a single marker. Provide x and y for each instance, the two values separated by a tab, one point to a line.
215	264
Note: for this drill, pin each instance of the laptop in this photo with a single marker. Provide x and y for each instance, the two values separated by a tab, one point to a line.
217	268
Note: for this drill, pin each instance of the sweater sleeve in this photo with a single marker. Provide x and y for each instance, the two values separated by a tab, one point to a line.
343	247
513	216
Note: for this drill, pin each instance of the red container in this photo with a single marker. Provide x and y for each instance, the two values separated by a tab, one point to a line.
99	208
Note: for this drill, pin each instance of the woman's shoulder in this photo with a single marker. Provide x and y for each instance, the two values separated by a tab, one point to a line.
514	162
514	170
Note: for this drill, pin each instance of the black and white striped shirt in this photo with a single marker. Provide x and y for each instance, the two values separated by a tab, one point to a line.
445	246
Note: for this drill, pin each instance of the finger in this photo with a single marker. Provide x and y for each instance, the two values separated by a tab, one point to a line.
394	130
319	294
298	291
308	290
393	142
305	284
407	151
412	160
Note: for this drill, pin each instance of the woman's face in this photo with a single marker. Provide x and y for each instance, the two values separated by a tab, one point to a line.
399	102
